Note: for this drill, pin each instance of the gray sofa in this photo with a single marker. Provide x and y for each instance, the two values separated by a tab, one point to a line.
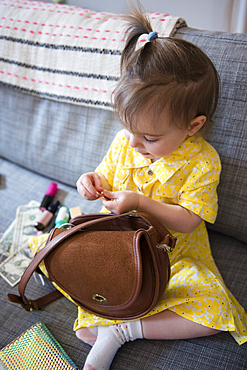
44	139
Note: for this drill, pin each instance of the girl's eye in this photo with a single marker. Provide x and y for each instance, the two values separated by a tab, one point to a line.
150	141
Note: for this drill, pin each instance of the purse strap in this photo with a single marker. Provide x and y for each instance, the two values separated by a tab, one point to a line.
30	305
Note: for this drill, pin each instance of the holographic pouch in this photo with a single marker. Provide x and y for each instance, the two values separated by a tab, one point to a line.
35	349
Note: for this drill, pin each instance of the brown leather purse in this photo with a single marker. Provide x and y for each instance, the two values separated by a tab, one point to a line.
114	266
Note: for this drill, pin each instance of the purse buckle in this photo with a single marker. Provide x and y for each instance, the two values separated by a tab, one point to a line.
164	247
99	298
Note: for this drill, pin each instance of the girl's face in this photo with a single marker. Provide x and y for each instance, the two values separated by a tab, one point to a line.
155	142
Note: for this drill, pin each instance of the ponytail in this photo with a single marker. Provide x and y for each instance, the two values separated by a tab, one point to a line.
137	25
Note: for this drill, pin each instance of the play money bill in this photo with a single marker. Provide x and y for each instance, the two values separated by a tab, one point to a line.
20	253
6	242
26	216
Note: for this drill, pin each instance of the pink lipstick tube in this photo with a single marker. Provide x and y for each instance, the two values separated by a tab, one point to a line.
50	192
47	216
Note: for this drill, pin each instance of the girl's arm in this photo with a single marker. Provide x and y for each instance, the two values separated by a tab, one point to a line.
174	217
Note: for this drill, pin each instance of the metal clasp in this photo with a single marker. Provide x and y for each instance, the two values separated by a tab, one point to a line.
164	247
99	298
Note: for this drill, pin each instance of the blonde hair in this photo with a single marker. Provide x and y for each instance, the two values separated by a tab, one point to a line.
165	75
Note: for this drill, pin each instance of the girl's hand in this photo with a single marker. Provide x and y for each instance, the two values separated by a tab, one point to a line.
120	201
89	186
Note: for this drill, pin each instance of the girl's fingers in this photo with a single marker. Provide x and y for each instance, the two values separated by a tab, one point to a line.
109	195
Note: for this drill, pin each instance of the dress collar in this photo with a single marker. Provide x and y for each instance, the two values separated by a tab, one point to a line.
165	167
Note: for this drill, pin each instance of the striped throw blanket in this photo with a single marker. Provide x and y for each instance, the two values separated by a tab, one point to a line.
63	52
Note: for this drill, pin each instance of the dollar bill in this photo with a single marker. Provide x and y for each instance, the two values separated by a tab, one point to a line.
26	216
13	267
6	242
20	254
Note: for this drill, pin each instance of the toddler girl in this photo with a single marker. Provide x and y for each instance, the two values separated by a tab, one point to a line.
160	164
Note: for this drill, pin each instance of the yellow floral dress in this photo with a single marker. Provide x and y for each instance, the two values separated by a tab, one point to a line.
188	177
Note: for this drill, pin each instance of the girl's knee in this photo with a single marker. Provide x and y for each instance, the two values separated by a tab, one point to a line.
211	331
86	335
80	333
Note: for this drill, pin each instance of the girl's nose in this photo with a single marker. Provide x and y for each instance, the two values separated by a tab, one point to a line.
133	141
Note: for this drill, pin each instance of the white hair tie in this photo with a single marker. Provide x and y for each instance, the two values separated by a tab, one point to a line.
144	38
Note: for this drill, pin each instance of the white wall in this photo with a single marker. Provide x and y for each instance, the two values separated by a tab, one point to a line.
214	15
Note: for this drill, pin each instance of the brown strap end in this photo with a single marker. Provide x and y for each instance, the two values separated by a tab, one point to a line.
37	303
17	299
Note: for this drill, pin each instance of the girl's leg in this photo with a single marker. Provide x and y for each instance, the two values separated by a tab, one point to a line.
164	325
168	325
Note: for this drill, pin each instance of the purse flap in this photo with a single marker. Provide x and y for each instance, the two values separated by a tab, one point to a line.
97	267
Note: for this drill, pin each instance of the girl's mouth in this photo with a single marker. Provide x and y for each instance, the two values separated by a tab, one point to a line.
138	151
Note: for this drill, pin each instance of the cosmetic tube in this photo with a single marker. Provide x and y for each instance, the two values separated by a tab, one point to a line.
46	216
62	217
50	192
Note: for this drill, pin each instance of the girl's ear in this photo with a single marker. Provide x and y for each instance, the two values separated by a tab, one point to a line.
196	124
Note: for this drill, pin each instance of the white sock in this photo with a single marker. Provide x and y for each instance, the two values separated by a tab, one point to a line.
109	340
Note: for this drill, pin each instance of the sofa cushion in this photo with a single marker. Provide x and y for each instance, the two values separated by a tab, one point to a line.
229	132
57	140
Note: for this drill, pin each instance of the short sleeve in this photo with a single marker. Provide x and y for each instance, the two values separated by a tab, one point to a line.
199	193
